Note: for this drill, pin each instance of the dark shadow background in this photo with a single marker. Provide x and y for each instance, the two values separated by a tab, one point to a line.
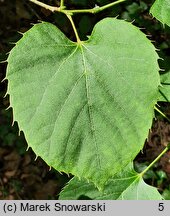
21	177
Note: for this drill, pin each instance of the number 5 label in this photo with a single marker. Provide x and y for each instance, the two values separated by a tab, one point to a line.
161	206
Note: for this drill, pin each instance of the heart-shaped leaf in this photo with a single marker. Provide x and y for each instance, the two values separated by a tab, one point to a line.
85	108
161	11
127	185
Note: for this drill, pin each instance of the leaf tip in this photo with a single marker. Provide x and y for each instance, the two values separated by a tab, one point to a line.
4	61
13	123
8	109
40	21
21	33
158	50
61	173
160	57
36	158
32	24
3	80
13	43
152	41
28	148
162	86
19	132
132	21
148	35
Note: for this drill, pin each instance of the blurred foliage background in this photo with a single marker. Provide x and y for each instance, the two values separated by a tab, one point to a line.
23	177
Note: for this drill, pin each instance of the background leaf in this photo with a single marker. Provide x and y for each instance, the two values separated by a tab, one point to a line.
165	88
161	11
127	185
84	107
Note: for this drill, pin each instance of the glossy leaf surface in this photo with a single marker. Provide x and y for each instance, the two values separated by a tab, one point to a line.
165	87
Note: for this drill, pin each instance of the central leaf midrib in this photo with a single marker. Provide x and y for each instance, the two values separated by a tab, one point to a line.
90	111
138	178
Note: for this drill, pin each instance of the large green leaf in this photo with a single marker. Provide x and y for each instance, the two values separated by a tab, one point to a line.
84	108
165	87
161	11
127	185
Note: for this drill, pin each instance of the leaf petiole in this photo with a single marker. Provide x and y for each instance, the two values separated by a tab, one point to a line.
69	13
74	28
156	159
159	111
163	152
